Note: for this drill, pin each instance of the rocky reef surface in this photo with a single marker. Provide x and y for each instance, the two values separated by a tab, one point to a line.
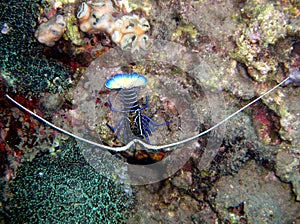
203	60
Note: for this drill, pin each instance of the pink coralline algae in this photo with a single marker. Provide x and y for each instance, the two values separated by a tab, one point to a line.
266	125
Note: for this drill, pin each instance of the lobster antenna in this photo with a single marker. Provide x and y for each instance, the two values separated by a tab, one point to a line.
216	125
134	141
123	148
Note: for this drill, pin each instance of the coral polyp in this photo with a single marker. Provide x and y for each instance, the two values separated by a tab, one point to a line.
23	64
84	17
127	31
94	17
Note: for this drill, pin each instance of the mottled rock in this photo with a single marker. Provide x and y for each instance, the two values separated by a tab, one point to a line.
183	179
254	195
169	205
287	168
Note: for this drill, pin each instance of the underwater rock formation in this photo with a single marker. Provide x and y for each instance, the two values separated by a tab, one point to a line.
254	195
287	168
264	26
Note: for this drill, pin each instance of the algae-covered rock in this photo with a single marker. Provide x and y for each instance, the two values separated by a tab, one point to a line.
268	23
287	168
72	32
254	195
263	26
285	103
168	204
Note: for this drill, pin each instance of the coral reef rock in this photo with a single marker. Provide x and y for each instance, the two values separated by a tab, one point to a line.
287	168
254	195
264	26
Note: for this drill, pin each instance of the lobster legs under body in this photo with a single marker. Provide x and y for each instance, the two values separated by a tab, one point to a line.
133	123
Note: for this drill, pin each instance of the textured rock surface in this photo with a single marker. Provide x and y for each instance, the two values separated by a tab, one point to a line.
238	49
164	203
254	195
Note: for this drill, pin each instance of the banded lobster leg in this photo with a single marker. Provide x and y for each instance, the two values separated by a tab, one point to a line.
133	123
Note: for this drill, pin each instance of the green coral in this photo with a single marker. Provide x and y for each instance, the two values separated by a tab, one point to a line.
263	26
65	190
23	64
267	20
72	32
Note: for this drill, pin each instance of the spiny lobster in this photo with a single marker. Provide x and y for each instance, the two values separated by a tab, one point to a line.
139	124
133	123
